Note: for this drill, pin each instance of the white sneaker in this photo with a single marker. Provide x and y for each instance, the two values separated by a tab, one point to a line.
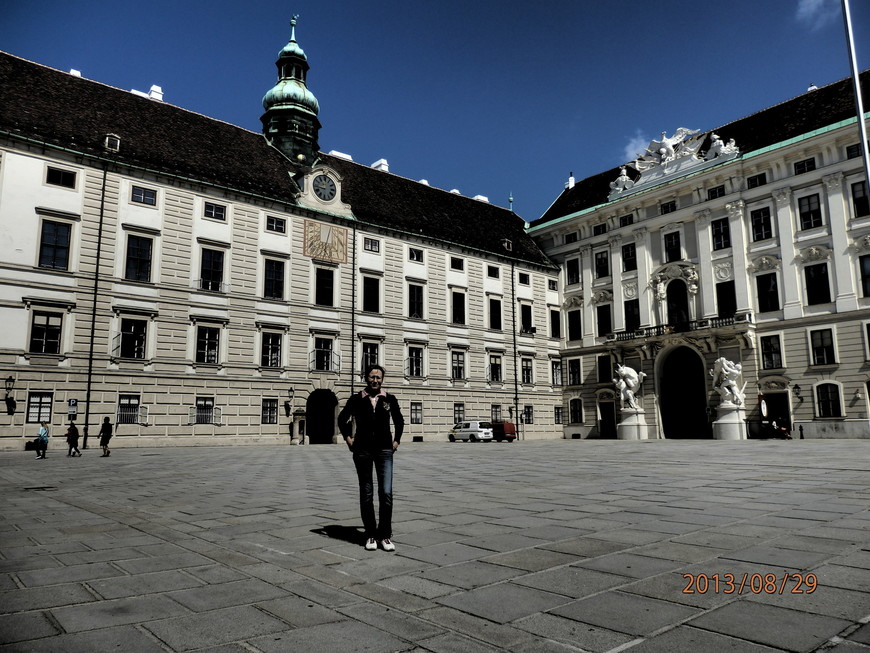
388	545
371	545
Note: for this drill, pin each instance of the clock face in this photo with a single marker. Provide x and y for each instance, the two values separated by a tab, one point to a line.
324	187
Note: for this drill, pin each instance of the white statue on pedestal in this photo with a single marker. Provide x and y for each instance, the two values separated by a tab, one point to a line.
725	375
628	383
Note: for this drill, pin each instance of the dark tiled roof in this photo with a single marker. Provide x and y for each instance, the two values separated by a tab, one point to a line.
57	108
812	110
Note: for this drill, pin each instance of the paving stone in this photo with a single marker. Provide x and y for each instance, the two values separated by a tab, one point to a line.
535	559
339	636
685	639
573	582
629	564
504	637
777	557
25	626
469	575
574	633
626	613
118	612
161	581
300	612
212	597
216	627
123	638
41	598
504	602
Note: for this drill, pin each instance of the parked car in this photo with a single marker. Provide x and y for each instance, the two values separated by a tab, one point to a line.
472	431
504	431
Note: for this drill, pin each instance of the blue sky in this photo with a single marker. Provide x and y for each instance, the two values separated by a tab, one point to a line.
491	97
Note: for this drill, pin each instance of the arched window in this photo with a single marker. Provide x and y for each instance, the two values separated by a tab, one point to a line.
828	400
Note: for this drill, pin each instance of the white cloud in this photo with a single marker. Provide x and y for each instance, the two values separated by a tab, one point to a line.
636	145
817	13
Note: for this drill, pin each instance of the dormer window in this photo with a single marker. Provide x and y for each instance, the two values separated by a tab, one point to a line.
112	142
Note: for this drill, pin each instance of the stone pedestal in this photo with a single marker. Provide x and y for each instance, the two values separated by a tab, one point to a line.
731	423
632	424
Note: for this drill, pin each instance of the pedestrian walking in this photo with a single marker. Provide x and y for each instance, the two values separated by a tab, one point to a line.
72	440
42	440
105	436
364	423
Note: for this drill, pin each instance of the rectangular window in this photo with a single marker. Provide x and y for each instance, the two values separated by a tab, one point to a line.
128	409
853	151
555	324
278	225
205	410
771	353
810	212
715	192
604	369
552	284
822	346
673	250
572	271
415	255
457	263
415	301
756	180
807	165
575	326
144	196
270	355
761	225
726	299
864	263
138	264
571	238
629	258
211	271
602	264
721	233
495	368
556	372
457	365
495	412
415	361
818	288
38	407
370	354
54	245
632	315
58	177
626	220
575	411
526	367
557	414
215	211
604	319
528	414
273	279
495	314
416	412
574	371
323	354
458	413
371	295
458	305
860	203
523	279
526	319
668	207
323	286
133	338
45	332
768	292
269	411
828	398
492	271
599	229
372	245
207	344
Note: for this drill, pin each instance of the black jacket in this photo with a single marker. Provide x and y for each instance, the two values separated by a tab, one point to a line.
372	424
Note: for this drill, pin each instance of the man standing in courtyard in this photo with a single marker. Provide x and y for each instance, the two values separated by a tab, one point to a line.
364	423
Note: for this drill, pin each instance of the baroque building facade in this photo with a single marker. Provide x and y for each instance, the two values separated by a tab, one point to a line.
198	283
750	243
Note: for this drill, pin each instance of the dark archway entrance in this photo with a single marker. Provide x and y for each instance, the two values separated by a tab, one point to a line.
607	418
682	394
678	305
320	416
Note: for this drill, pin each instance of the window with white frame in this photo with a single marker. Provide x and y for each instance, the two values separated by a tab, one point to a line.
458	306
415	361
495	313
269	411
524	279
575	411
273	279
205	410
809	212
526	370
528	414
667	207
572	271
211	270
864	267
767	288
60	177
556	372
604	318
575	325
45	332
372	245
142	195
817	284
132	338
673	248
822	348
555	323
494	368
54	245
276	225
761	224
860	201
574	374
370	354
458	413
493	271
322	356
137	266
324	286
128	409
270	352
207	344
371	299
457	365
754	181
214	211
457	263
415	254
557	414
715	192
828	402
629	257
526	325
39	407
416	412
771	352
602	264
805	165
495	412
415	301
721	233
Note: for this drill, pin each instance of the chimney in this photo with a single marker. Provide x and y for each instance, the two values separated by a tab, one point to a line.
75	73
382	165
482	198
570	183
156	93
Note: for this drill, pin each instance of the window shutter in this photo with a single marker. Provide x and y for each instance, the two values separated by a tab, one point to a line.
191	415
143	415
216	415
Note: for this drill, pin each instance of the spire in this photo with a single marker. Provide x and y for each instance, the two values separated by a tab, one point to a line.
290	122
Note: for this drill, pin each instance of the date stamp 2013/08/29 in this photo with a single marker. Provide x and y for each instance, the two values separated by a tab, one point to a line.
750	583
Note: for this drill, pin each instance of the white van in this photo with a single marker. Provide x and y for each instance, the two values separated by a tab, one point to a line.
471	432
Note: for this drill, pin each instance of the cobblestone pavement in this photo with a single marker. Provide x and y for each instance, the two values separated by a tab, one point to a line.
660	546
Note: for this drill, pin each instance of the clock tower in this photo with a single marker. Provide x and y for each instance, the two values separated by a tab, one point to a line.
290	122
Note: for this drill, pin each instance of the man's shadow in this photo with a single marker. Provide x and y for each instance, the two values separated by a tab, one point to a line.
350	534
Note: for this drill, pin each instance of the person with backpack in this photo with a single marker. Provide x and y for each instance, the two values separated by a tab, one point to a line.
42	440
72	439
105	436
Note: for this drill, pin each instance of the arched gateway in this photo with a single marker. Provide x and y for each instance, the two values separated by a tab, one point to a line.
320	415
681	386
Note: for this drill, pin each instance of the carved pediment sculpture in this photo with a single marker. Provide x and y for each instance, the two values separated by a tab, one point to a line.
765	263
667	149
574	301
622	182
629	289
861	244
815	253
602	297
719	148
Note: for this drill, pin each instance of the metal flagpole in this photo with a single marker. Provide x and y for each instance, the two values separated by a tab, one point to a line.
859	105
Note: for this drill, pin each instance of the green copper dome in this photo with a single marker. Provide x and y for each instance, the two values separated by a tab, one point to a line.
290	91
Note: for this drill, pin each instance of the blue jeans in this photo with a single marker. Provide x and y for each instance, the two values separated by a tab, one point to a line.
382	462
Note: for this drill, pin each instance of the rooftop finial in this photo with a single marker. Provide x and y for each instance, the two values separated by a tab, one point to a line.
293	27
